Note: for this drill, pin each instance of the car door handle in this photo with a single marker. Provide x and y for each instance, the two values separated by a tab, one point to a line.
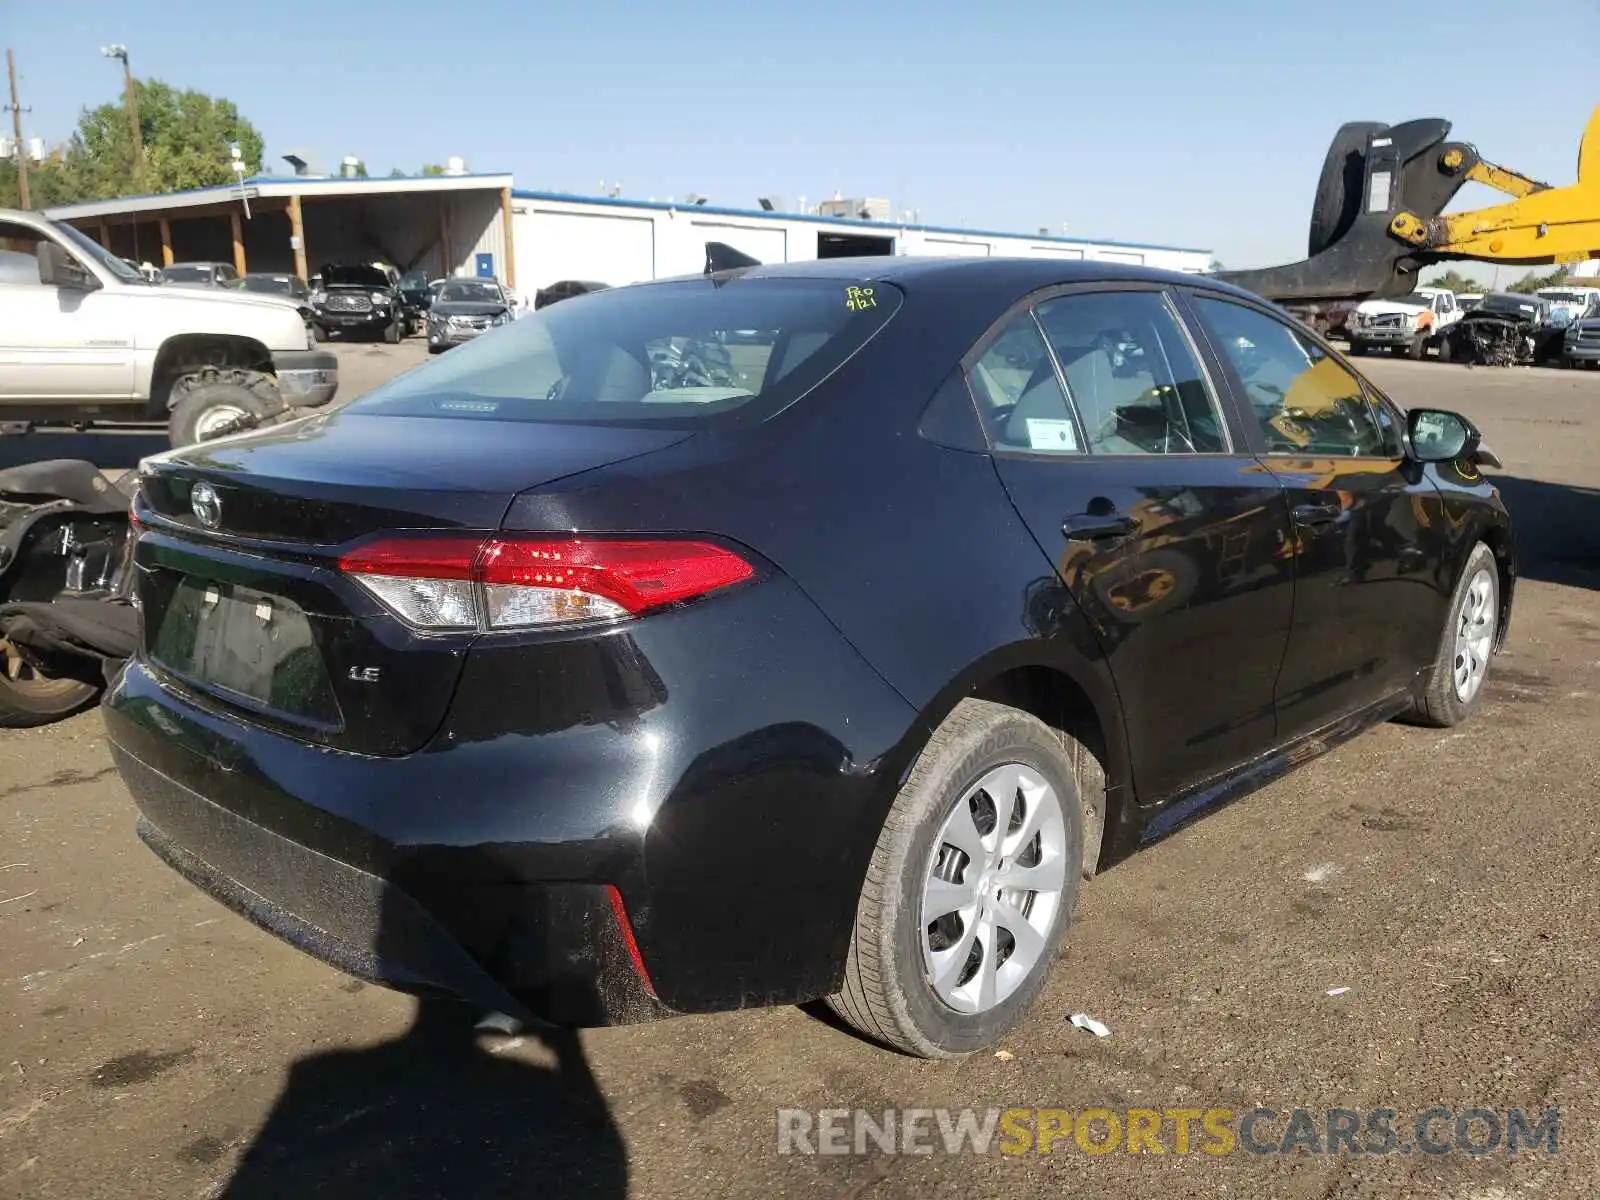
1094	527
1315	515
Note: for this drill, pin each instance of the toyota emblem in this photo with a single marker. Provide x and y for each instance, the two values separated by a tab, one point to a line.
207	505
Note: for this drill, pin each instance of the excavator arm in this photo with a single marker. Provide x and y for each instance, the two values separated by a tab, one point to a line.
1378	217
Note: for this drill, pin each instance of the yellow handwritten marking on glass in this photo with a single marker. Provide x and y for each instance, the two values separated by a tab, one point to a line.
858	298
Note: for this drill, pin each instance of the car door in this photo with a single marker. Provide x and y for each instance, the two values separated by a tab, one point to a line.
1366	519
1115	449
56	343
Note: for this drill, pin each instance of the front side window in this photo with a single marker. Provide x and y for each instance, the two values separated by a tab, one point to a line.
1305	402
686	352
1132	374
1019	395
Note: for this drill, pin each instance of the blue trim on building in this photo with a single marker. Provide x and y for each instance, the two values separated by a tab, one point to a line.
863	226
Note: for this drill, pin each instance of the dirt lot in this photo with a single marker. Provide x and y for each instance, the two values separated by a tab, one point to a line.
153	1045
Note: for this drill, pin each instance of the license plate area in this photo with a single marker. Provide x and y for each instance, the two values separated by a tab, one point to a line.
255	648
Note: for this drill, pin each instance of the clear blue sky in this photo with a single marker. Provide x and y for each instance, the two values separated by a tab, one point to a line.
1169	121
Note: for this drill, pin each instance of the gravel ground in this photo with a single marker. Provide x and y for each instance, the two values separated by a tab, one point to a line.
154	1045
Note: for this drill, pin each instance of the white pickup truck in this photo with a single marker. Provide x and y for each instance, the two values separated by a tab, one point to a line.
85	338
1412	323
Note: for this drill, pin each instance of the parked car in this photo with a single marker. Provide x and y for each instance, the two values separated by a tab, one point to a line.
1505	329
416	295
578	690
200	274
1580	341
1568	304
292	288
1469	301
565	290
1411	324
360	298
110	346
464	309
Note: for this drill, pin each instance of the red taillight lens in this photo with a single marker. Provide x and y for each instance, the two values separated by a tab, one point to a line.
515	582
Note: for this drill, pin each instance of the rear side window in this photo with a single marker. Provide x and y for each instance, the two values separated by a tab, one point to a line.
1019	395
687	351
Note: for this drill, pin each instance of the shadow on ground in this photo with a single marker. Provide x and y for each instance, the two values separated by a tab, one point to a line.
1557	528
435	1113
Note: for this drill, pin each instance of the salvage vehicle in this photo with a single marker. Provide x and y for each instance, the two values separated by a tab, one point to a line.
1506	329
1412	324
67	620
1580	341
84	338
565	289
291	287
539	679
360	298
464	309
1567	304
416	295
200	274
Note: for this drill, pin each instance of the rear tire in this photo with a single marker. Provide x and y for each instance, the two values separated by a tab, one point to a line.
27	700
1466	646
1357	349
890	994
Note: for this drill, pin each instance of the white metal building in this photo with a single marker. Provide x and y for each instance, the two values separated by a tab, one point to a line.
481	225
619	241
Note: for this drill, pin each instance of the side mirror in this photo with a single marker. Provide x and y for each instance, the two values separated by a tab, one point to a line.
1437	435
59	269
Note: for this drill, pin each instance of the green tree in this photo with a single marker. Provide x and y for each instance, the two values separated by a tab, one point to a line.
186	137
397	173
1456	282
1531	283
431	169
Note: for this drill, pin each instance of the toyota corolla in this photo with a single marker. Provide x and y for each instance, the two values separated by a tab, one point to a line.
787	632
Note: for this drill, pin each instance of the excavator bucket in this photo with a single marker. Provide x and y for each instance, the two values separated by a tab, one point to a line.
1373	173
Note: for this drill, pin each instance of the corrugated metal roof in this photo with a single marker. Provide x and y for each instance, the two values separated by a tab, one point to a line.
839	222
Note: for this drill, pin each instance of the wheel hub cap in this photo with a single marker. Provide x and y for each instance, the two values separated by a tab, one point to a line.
1476	622
992	889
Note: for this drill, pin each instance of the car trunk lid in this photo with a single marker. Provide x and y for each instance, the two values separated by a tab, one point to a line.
245	607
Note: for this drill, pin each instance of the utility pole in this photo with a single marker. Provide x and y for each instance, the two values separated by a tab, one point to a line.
16	126
120	51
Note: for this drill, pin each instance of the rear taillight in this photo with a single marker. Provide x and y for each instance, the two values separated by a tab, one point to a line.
522	583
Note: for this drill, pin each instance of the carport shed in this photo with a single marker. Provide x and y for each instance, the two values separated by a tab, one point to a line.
446	224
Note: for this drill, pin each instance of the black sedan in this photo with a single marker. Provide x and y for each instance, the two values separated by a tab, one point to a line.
465	308
791	632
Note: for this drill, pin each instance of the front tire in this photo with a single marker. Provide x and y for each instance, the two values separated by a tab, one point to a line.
1418	347
970	889
1357	348
1454	684
205	409
392	332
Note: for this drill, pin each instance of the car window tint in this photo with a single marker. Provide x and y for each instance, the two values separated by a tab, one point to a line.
1132	374
1019	395
1304	400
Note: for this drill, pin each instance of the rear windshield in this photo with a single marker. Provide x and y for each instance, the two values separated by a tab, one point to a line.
687	351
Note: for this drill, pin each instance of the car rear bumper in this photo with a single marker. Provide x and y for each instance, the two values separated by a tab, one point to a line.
650	837
306	378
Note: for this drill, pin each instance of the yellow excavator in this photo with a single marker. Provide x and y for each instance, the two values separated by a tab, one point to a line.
1378	217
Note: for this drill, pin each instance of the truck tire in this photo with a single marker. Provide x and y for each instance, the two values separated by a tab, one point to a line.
1445	352
27	700
393	332
1357	349
203	404
1418	347
319	333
